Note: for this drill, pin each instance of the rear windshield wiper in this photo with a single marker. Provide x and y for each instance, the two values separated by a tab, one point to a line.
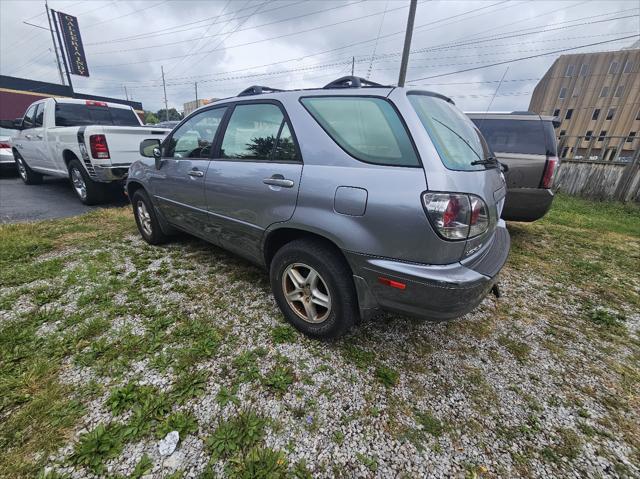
491	161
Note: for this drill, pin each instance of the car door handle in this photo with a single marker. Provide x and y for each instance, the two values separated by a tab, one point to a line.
28	137
278	180
196	173
39	137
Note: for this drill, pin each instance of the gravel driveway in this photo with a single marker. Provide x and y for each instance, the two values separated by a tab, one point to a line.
108	344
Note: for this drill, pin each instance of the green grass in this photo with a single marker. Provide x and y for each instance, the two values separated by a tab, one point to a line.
73	279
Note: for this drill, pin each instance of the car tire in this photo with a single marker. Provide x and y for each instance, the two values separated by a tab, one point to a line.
331	294
88	191
29	176
147	219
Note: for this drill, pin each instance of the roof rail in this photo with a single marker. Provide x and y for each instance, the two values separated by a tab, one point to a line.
351	82
257	90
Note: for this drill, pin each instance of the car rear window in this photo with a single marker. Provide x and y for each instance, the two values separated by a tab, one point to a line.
530	137
455	137
367	128
77	114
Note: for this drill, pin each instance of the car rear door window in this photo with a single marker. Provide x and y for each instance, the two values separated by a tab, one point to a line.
27	120
195	137
258	131
514	136
367	128
39	115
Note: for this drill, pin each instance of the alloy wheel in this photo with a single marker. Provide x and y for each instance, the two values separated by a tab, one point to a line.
306	293
78	183
144	217
21	169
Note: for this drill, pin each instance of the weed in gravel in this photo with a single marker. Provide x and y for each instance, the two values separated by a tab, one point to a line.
519	349
568	446
301	471
607	319
279	379
246	364
189	385
284	334
144	464
226	396
358	356
258	463
97	446
124	398
237	434
387	376
184	423
369	462
430	424
338	437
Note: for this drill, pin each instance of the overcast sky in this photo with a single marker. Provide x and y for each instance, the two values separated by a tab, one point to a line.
228	45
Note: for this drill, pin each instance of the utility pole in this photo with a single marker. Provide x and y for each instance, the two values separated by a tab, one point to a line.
53	40
126	94
407	42
196	85
353	65
164	87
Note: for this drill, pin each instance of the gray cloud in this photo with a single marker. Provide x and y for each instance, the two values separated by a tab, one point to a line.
25	51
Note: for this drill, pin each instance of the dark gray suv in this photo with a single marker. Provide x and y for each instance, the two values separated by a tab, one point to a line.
356	197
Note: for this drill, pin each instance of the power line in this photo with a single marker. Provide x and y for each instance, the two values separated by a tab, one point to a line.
525	58
161	45
130	13
154	33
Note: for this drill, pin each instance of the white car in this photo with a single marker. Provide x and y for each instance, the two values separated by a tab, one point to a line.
6	155
91	142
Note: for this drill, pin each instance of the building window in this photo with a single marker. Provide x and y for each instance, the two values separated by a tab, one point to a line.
576	91
619	91
588	135
596	114
563	93
569	71
603	134
632	135
610	113
562	133
628	67
569	114
584	70
613	68
604	92
556	112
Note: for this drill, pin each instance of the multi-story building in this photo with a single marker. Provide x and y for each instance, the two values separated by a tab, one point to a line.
195	104
597	98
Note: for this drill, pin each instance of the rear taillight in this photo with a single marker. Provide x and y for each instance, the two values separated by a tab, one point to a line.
95	103
457	216
547	177
99	148
5	145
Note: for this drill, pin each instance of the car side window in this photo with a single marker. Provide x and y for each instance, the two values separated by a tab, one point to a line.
258	132
27	120
195	137
39	114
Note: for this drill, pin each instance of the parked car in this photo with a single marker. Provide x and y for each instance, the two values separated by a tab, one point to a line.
356	197
526	143
167	124
6	155
91	142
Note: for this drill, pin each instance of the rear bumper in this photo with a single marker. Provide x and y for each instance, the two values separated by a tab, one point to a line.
526	204
6	157
431	291
107	174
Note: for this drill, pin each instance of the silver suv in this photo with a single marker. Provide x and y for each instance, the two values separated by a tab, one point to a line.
356	197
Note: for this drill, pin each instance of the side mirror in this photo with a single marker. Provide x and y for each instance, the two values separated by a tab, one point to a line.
150	148
17	124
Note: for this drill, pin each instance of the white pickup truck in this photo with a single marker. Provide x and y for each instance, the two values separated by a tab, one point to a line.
93	143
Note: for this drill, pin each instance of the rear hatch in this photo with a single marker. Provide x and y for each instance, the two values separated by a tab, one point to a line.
457	163
525	143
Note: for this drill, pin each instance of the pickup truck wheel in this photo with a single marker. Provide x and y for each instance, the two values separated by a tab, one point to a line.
89	192
147	218
29	176
314	288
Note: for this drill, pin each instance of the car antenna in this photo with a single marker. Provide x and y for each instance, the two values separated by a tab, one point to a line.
495	93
